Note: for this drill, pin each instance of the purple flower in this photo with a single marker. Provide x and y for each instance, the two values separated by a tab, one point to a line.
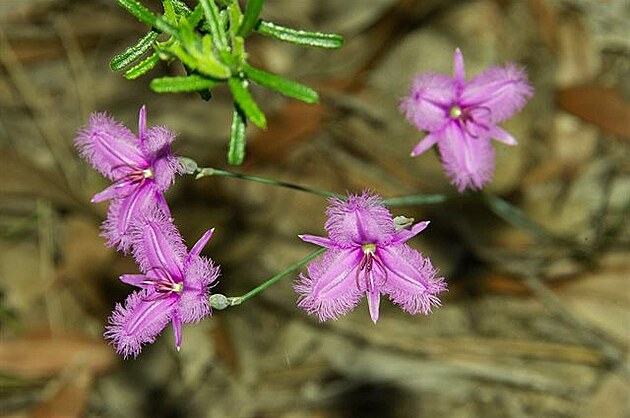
174	286
461	117
141	169
366	255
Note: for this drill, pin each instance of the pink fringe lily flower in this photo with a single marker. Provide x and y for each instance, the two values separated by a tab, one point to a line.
174	286
366	255
461	117
141	169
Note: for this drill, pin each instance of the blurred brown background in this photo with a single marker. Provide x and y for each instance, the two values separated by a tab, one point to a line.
531	326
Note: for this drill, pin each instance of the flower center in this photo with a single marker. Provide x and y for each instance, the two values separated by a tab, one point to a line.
368	248
455	112
147	173
471	119
165	284
370	261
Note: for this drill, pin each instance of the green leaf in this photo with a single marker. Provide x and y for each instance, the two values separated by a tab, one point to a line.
282	85
418	199
238	52
195	17
147	16
163	25
169	11
207	63
236	152
142	67
235	17
134	52
252	10
211	12
138	11
300	37
179	84
195	59
180	7
245	101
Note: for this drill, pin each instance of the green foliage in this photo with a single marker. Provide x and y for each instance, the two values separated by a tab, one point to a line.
209	41
281	85
244	100
300	37
133	52
179	84
236	152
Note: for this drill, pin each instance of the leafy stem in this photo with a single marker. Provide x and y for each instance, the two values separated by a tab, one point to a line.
209	42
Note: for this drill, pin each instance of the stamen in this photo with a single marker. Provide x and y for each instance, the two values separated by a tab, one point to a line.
164	285
368	261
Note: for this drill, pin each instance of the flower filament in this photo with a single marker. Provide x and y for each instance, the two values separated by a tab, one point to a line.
164	286
369	260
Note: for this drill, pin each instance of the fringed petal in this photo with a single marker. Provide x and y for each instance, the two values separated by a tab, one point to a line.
164	170
158	139
358	220
411	280
468	161
165	164
157	244
502	90
330	289
200	274
428	101
109	146
138	321
123	212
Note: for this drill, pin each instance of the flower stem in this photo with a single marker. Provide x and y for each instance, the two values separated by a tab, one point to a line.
221	302
417	199
209	171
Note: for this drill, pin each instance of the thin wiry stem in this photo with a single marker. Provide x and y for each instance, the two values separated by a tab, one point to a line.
209	171
237	300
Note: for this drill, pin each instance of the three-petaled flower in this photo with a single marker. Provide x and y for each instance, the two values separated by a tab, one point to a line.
174	286
366	255
461	117
141	169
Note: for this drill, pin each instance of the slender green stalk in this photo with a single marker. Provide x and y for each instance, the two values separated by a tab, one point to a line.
209	171
293	267
418	199
221	302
